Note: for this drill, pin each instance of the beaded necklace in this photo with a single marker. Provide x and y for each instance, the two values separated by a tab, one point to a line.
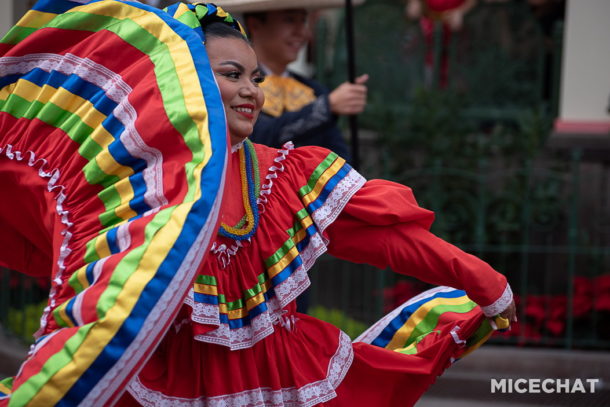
250	189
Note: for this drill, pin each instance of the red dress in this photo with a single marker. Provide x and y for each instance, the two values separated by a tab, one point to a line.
238	340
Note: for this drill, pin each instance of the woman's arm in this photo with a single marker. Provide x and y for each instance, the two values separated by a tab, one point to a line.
383	226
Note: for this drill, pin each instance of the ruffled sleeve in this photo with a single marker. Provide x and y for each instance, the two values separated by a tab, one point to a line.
386	228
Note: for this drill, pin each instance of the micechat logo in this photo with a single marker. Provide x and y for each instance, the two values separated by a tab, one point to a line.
546	385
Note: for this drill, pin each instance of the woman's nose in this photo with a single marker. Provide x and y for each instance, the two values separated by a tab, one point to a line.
247	89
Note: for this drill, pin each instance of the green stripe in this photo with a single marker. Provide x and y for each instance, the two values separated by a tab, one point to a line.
412	348
28	389
58	319
7	382
78	131
164	68
479	334
90	252
17	34
281	252
75	283
431	319
129	264
239	303
288	244
203	279
189	19
317	173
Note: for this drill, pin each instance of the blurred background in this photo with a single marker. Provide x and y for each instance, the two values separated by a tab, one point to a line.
499	119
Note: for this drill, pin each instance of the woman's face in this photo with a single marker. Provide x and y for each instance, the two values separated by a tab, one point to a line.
236	70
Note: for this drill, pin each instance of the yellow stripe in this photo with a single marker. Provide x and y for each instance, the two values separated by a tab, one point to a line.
5	389
161	241
255	300
61	310
327	175
125	190
205	289
93	118
477	345
182	8
251	302
402	335
101	246
302	233
35	19
283	262
105	329
180	54
81	275
62	98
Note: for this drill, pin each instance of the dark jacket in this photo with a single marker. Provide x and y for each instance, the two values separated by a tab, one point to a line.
313	125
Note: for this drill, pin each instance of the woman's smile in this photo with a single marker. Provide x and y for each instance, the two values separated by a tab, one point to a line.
237	73
246	110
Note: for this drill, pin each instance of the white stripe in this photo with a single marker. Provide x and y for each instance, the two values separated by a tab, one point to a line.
115	89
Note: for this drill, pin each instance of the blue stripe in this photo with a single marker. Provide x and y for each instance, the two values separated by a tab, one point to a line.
89	272
247	320
395	324
74	84
105	105
69	310
195	221
205	298
8	79
310	231
287	271
330	185
111	238
55	6
171	10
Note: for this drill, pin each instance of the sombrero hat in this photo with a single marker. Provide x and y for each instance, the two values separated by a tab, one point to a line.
246	6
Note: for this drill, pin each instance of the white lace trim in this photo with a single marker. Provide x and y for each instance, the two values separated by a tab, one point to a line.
60	197
116	89
157	320
500	304
224	252
340	195
262	325
309	395
373	331
236	147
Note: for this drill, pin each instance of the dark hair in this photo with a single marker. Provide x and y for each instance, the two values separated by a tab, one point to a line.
221	30
257	15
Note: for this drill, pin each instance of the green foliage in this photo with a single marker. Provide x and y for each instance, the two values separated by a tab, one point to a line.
477	174
339	319
24	322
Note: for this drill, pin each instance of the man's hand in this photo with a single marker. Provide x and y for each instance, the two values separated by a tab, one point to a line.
349	98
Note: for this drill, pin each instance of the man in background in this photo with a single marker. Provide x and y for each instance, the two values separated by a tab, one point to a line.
296	108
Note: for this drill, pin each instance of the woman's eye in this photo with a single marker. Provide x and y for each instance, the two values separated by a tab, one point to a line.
231	75
258	79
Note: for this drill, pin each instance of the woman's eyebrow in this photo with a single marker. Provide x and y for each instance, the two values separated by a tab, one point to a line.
237	65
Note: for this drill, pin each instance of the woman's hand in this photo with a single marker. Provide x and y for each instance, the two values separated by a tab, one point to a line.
510	312
349	98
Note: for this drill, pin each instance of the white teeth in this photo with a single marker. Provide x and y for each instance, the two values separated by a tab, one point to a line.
243	109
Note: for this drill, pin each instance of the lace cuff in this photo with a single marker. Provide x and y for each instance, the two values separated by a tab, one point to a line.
500	304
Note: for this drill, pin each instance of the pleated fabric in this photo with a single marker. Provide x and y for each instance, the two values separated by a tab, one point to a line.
113	148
